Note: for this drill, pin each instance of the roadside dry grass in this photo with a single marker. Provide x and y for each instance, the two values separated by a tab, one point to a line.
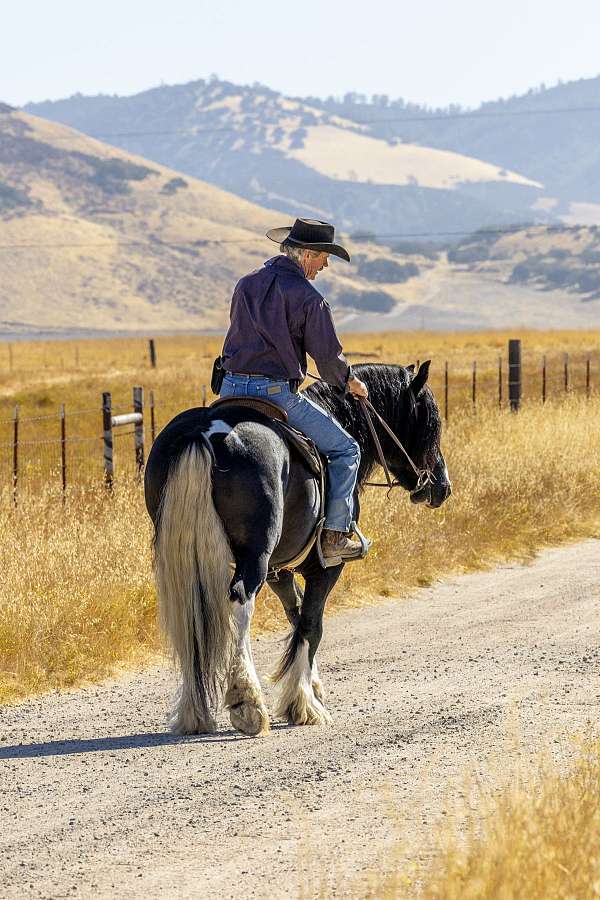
538	839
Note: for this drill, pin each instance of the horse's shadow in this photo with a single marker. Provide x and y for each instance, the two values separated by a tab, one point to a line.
121	742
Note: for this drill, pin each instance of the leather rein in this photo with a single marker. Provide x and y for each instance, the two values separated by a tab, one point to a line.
424	476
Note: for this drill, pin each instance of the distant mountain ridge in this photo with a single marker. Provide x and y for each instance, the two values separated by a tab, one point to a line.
539	134
306	159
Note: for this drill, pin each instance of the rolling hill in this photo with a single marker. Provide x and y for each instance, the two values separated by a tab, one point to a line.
294	156
549	134
95	239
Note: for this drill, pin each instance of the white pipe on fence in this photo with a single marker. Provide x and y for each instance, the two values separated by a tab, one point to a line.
128	419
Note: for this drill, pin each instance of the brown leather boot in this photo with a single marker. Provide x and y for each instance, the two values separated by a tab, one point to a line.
336	545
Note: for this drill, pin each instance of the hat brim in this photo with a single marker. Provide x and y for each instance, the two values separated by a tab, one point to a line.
279	235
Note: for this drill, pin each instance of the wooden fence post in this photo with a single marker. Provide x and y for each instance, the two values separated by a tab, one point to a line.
474	387
152	420
544	378
446	392
109	469
152	350
203	395
499	382
588	380
566	373
138	407
15	477
514	374
63	451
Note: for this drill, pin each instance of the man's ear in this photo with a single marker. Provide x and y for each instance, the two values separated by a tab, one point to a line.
420	379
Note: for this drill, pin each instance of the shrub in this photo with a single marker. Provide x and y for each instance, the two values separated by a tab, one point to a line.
12	198
387	270
368	301
172	186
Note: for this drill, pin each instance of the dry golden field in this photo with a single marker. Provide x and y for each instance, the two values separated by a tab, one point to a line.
537	838
76	596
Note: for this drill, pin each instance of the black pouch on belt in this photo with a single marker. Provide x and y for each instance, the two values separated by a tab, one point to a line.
218	374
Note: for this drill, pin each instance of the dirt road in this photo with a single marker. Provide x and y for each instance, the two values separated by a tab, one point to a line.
96	799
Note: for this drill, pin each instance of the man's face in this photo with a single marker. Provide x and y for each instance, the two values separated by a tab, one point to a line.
312	264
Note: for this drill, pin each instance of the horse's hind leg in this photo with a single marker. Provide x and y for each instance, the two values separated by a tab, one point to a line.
301	693
291	595
243	697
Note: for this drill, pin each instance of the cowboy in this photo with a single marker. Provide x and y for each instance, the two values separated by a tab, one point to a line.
277	317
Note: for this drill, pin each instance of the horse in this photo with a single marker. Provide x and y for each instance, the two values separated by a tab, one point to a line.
231	502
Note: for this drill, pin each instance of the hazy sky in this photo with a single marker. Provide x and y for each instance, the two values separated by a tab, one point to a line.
434	52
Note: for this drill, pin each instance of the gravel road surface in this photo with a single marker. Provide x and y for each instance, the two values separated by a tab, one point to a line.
97	799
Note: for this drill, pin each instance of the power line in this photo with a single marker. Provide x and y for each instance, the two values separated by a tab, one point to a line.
199	130
356	236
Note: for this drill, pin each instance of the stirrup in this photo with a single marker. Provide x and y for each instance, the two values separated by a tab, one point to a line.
328	562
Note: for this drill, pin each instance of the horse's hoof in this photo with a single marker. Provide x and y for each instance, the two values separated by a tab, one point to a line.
249	719
307	711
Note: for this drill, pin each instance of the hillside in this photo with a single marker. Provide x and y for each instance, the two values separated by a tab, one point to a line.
96	239
291	155
539	134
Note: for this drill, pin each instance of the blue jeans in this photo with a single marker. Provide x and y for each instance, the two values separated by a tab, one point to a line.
341	450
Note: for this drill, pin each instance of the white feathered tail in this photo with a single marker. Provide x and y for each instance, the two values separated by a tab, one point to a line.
192	568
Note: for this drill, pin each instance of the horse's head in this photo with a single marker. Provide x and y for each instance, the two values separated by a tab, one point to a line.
423	432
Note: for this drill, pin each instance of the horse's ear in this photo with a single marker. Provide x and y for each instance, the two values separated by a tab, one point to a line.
420	379
410	368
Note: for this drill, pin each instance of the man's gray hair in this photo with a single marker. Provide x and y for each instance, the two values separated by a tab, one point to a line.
294	252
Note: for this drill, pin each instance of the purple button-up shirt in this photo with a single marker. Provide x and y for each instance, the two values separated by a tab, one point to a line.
277	317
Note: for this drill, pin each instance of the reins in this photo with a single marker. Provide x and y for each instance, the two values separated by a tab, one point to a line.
424	476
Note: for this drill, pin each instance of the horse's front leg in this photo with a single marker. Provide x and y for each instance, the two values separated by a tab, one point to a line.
301	697
243	697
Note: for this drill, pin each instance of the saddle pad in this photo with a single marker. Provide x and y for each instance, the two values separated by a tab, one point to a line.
264	406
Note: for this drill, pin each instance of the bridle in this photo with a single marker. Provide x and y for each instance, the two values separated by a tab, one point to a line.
424	476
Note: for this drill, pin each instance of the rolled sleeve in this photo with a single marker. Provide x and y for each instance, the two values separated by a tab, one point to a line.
322	343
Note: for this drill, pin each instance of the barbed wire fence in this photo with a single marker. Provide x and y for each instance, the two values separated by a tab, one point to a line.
94	446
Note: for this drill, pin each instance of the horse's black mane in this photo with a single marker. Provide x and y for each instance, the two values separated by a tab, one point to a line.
415	421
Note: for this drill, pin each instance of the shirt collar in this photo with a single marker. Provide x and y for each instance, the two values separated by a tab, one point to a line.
284	262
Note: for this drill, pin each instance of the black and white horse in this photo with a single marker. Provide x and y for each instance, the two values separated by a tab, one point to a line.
230	502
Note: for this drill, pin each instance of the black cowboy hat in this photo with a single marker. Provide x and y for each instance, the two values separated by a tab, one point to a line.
312	234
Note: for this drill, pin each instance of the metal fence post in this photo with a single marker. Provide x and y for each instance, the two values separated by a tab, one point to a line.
109	469
152	350
446	392
499	382
474	389
138	407
566	373
152	420
514	374
63	451
15	477
544	378
588	379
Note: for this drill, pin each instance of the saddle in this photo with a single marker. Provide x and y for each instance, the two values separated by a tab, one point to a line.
307	451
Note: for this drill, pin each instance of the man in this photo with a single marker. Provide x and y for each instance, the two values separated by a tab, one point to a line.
277	317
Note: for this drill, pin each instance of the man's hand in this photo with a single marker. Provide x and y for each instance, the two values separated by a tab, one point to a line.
357	387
